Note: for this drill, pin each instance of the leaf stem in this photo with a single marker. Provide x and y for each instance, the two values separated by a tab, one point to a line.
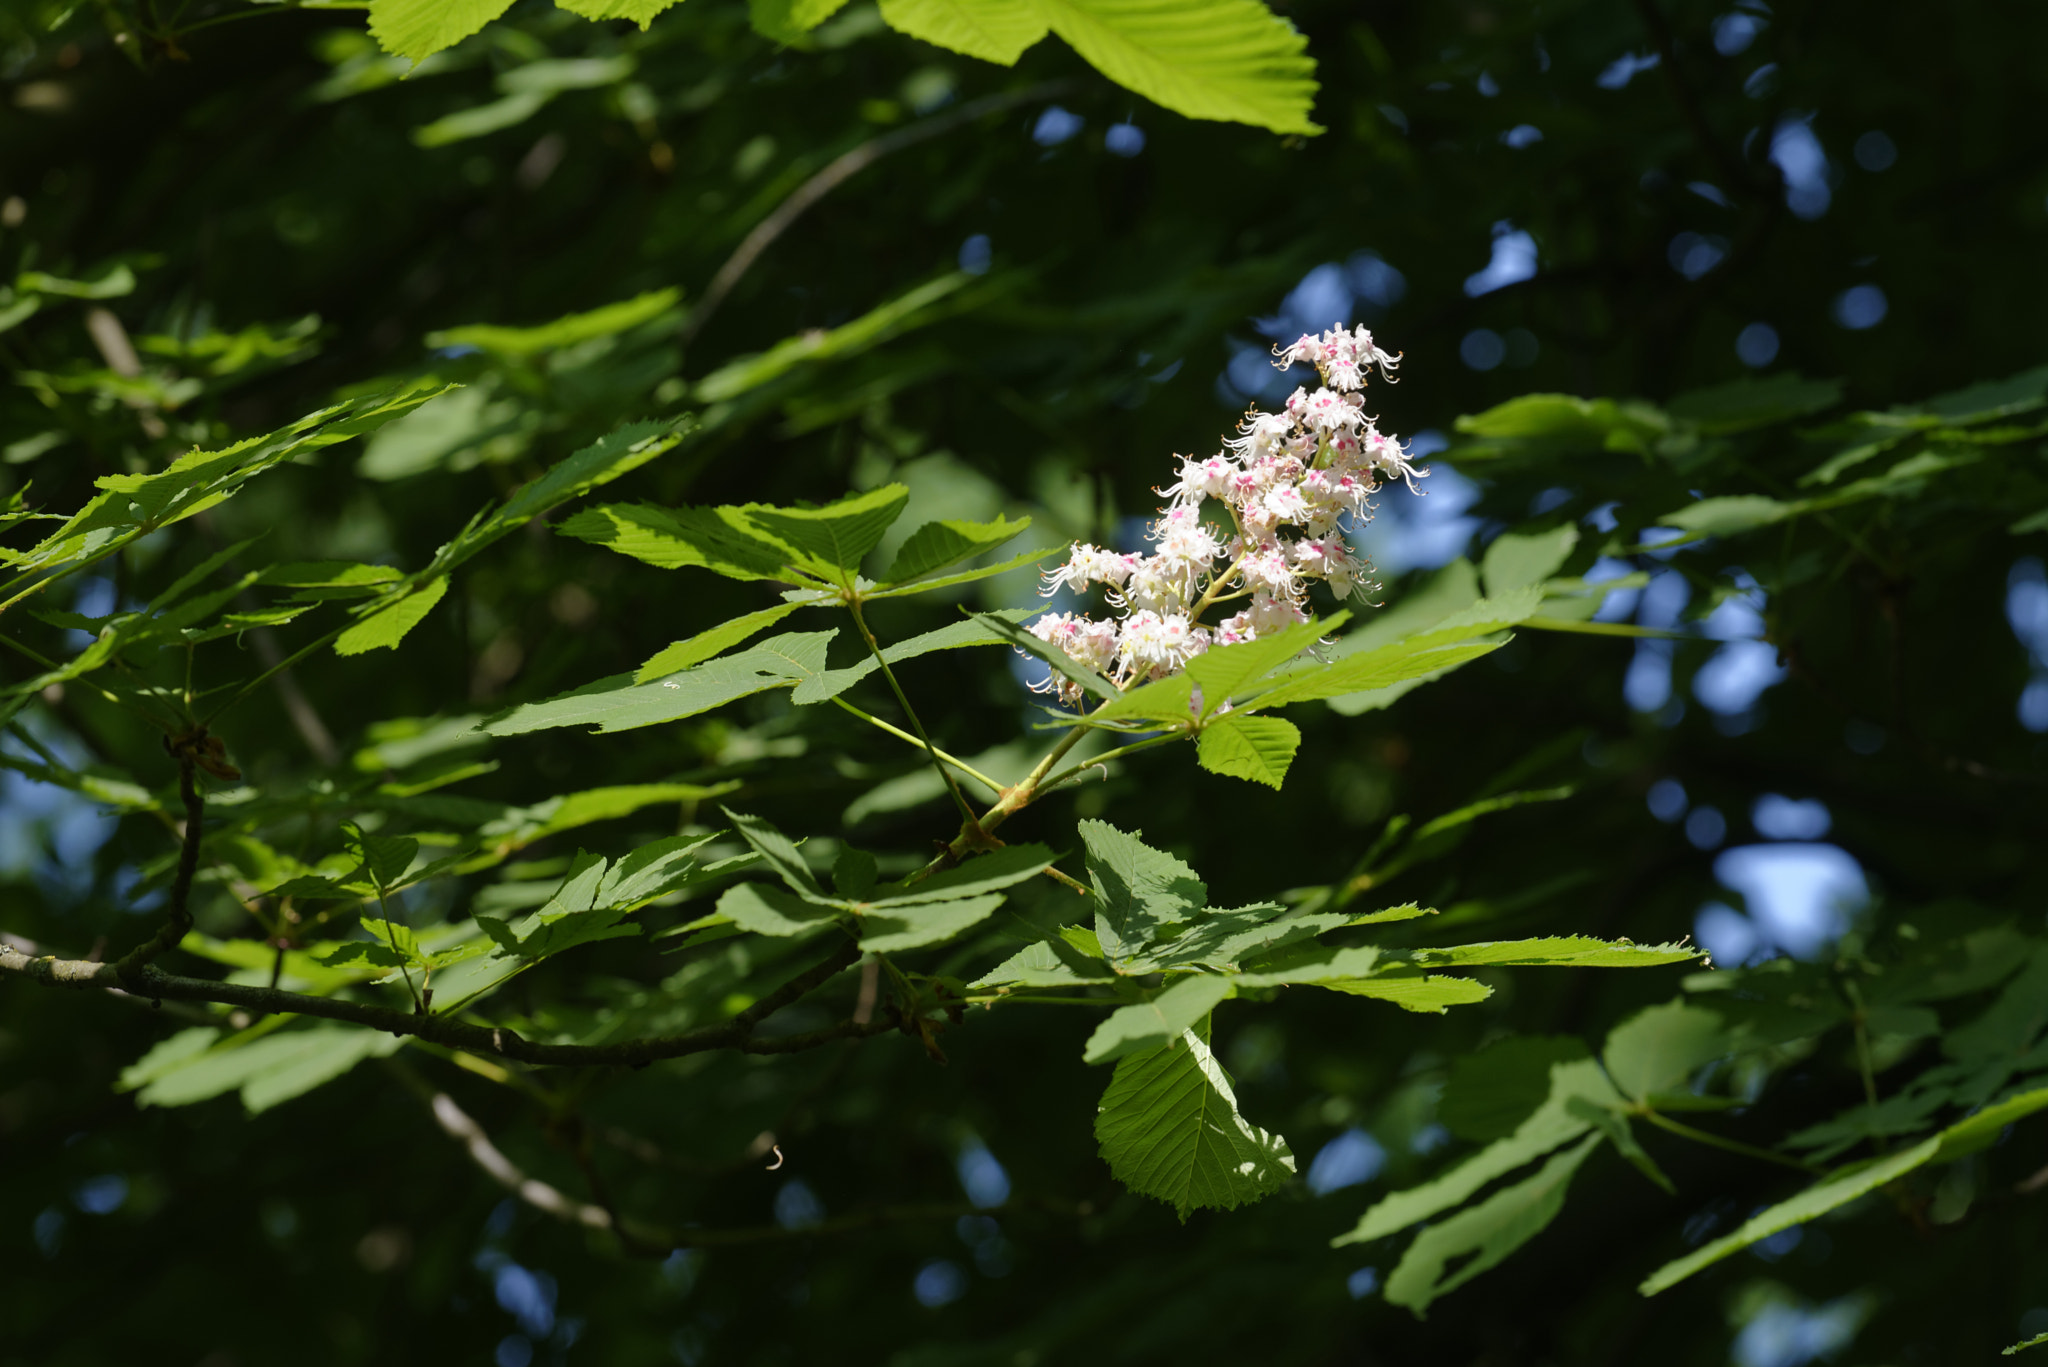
903	700
1683	1131
962	765
1072	774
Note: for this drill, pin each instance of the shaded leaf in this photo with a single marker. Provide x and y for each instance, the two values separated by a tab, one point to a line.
1169	1129
1485	1234
1157	1023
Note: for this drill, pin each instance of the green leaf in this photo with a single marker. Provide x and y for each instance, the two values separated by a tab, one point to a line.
838	534
1208	59
1255	748
853	873
2034	1342
936	545
654	870
1614	1125
1049	963
1485	1234
721	540
1566	419
1066	664
641	12
1225	671
1224	939
384	857
1490	1093
619	704
480	120
1730	515
1370	669
1836	1189
1159	1022
1001	868
109	283
385	628
1577	951
994	30
769	910
1657	1050
788	21
1169	1129
420	28
1517	561
927	923
1981	1131
576	328
746	373
1428	993
705	644
267	1070
1138	890
604	460
778	851
830	683
519	827
947	581
1742	405
1551	1126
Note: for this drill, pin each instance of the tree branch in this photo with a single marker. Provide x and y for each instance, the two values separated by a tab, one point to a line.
649	1240
836	173
736	1033
134	965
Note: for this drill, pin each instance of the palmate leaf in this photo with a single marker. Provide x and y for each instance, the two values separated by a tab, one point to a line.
1208	59
131	505
1170	1129
268	1069
777	851
912	308
1553	1125
1518	561
1484	1234
994	30
947	581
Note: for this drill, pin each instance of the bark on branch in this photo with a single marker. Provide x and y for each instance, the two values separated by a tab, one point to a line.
737	1033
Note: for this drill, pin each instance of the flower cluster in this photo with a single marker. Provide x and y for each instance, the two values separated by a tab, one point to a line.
1288	481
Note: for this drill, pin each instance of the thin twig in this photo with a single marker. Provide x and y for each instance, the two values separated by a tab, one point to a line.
836	173
133	967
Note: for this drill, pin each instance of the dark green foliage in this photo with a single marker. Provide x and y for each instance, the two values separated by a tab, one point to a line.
370	430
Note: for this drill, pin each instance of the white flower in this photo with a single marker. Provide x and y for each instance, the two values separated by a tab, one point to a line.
1288	482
